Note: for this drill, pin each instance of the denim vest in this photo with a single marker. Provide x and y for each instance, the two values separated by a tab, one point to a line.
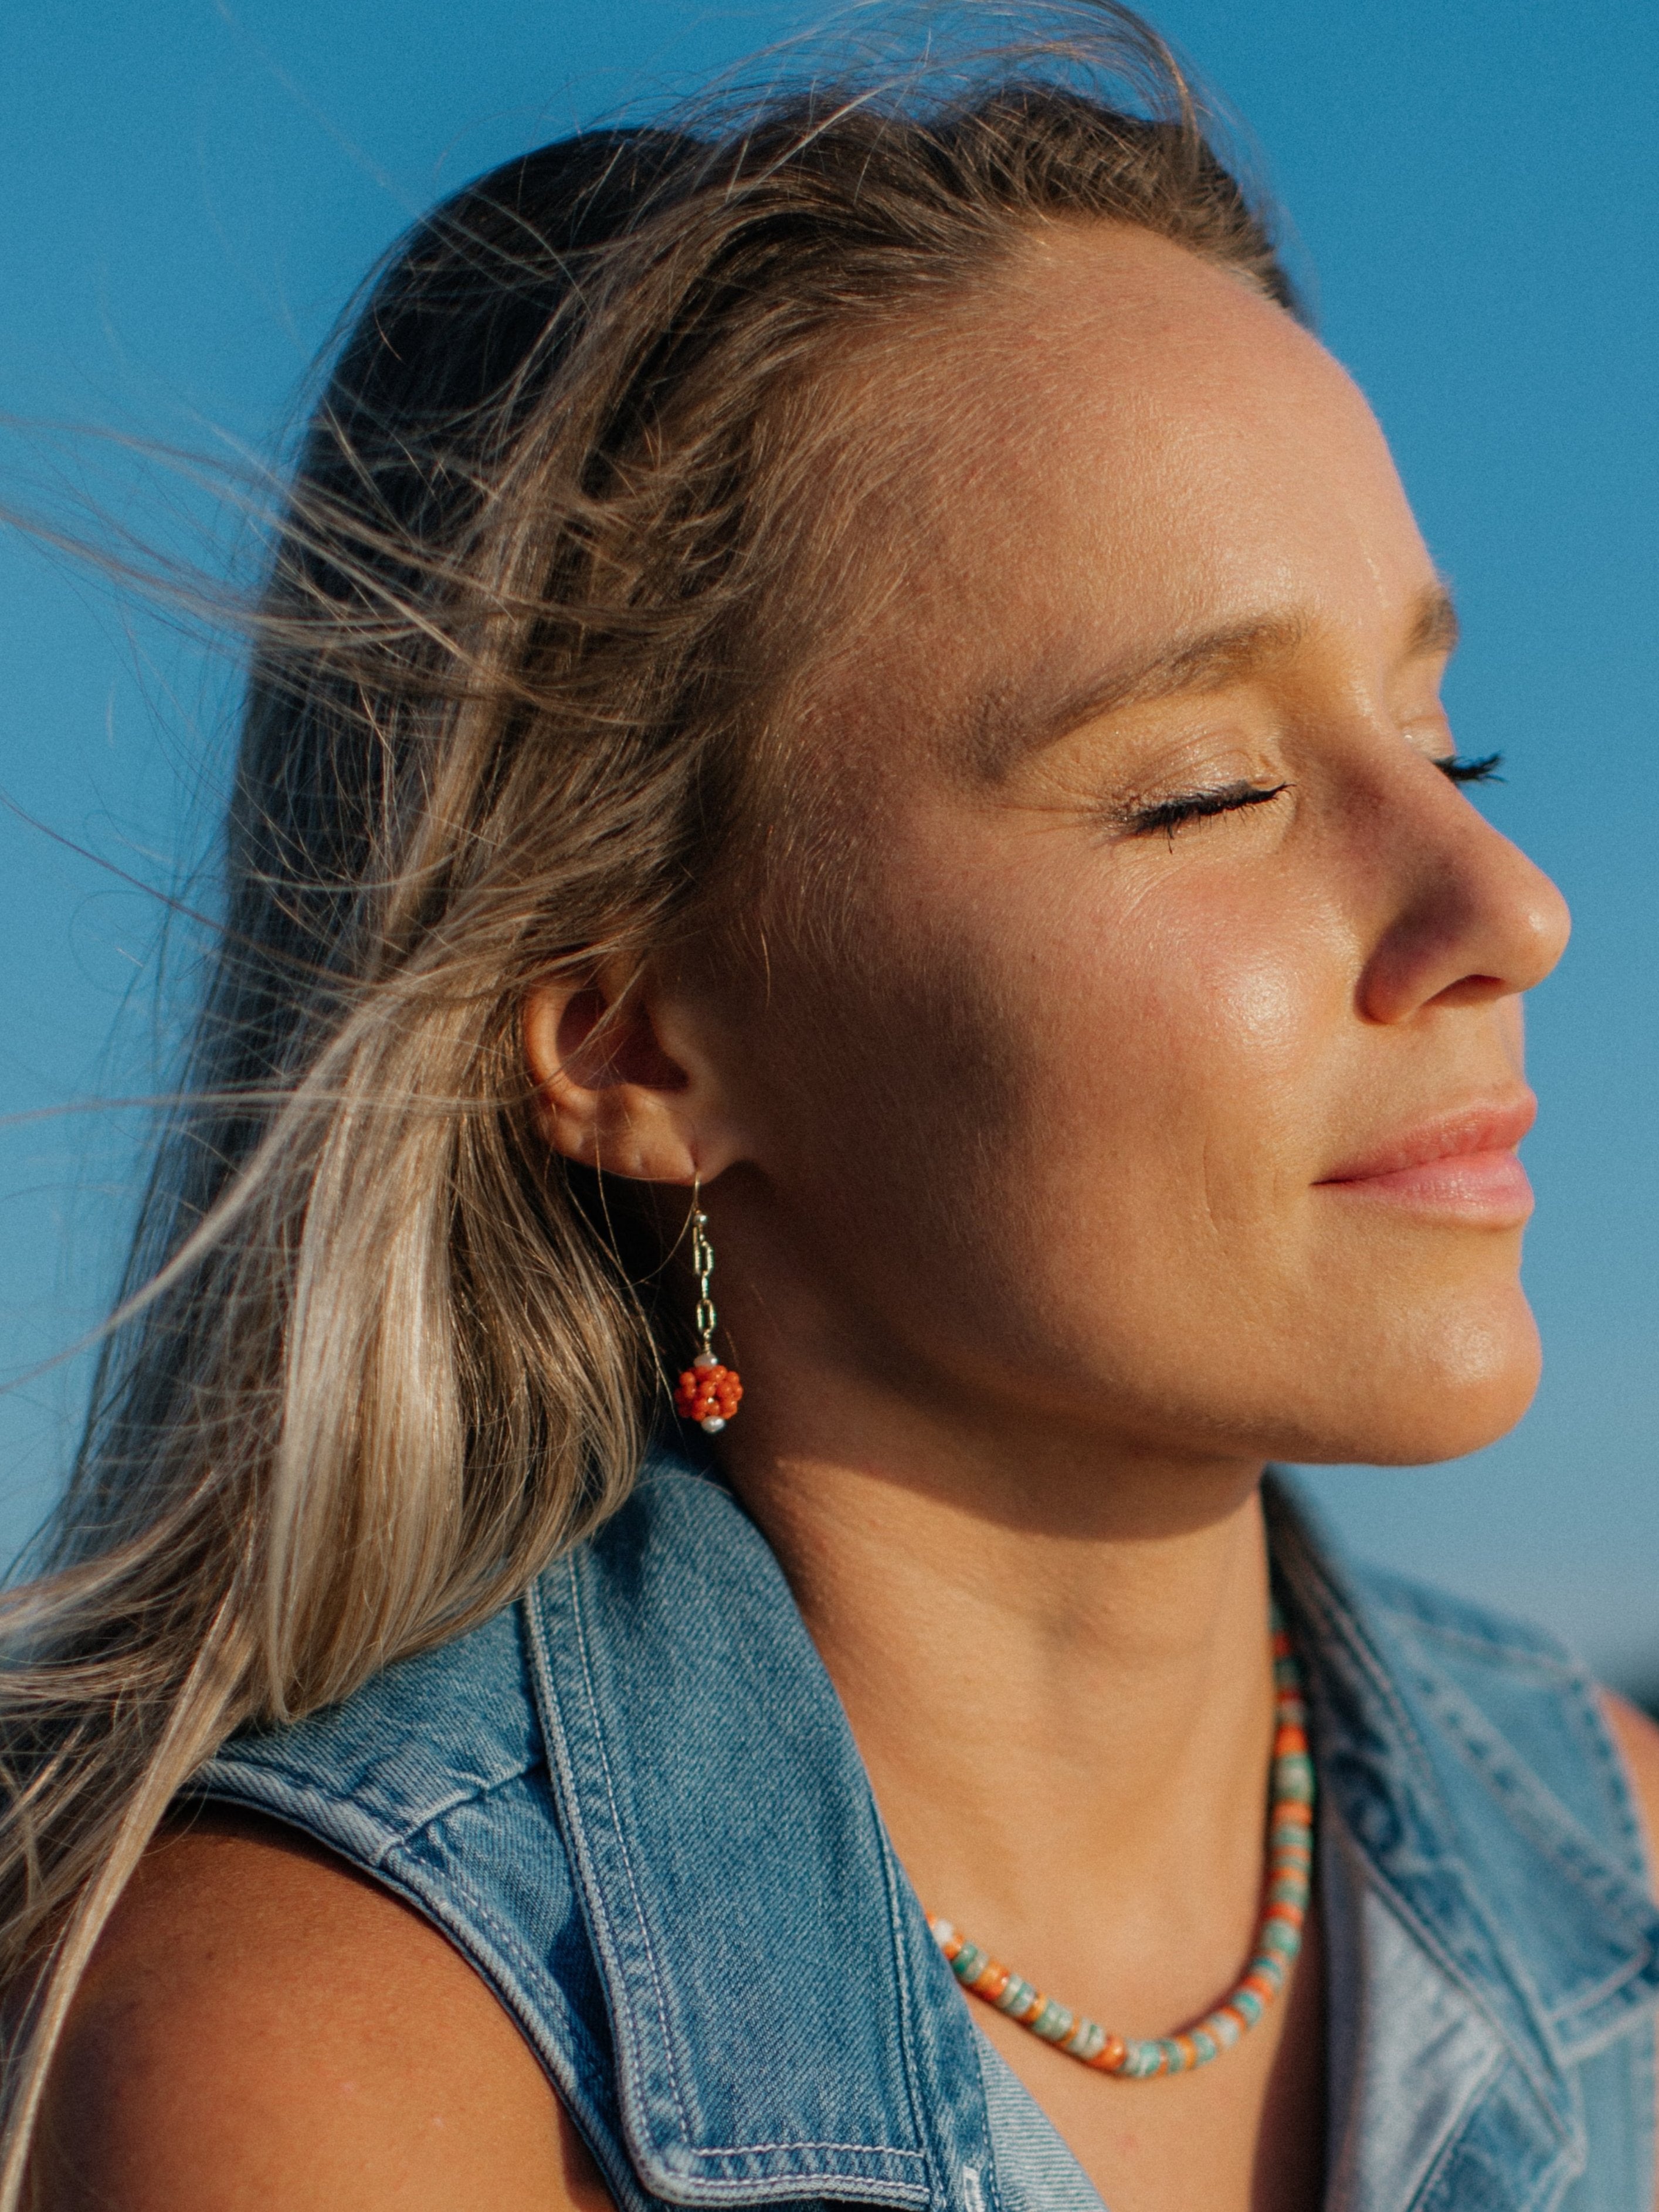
633	1801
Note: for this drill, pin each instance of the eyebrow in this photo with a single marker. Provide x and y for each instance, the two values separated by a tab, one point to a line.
1002	728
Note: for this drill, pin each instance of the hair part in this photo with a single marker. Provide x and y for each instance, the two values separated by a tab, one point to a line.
569	523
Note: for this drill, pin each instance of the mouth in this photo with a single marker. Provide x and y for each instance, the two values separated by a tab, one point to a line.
1459	1165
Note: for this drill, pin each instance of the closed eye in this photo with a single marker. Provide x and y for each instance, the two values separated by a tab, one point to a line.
1481	770
1167	815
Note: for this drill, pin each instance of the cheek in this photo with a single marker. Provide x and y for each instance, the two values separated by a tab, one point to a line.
1169	1057
1177	1049
1090	1111
887	1067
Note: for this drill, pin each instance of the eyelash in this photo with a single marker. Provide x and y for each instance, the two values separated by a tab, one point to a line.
1167	816
1482	769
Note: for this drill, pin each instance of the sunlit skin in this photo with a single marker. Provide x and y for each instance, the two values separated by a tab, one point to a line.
1089	1154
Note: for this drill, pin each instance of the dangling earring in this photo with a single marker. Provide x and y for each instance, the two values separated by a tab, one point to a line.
707	1393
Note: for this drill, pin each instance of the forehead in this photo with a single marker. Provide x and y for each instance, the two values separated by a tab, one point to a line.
1116	444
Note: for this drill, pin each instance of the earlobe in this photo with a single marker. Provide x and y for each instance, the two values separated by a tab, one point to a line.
609	1094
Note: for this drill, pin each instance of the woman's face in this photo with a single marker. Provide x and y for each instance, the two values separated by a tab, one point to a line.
1154	1058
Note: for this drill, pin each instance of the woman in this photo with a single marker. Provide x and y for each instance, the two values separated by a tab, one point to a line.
848	719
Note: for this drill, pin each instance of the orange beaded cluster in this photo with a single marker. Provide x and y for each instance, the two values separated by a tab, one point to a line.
708	1394
1279	1933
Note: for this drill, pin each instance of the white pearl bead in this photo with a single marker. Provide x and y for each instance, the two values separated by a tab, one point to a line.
706	1359
712	1422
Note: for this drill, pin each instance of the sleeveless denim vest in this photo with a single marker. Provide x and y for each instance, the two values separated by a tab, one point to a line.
632	1800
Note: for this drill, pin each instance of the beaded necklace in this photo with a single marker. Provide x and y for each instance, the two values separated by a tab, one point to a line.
1278	1939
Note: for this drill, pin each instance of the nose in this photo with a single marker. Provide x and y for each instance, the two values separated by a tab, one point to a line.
1470	918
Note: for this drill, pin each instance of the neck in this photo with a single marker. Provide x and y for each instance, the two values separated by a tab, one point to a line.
1053	1657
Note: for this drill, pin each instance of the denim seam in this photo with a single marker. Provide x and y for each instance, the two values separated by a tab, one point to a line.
232	1786
1544	1657
1616	2031
917	2188
892	1875
507	1941
994	2174
306	1783
568	1568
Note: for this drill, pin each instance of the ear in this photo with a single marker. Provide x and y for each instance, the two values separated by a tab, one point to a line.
622	1082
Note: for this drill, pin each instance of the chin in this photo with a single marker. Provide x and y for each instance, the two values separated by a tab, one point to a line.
1459	1388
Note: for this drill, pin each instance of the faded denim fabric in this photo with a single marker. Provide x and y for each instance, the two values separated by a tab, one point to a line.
1035	2169
633	1801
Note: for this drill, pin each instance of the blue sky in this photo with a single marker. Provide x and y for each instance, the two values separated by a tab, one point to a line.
1474	195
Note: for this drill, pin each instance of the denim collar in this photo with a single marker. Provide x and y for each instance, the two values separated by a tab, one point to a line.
1511	1942
784	2026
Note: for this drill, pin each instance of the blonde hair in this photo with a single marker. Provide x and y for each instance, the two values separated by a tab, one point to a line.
541	583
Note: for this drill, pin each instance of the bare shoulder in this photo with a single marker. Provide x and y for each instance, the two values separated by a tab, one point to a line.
261	2025
1638	1738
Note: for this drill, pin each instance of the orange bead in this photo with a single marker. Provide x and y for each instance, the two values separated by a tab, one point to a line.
703	1393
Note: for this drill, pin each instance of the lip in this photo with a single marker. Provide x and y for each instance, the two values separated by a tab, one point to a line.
1460	1164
